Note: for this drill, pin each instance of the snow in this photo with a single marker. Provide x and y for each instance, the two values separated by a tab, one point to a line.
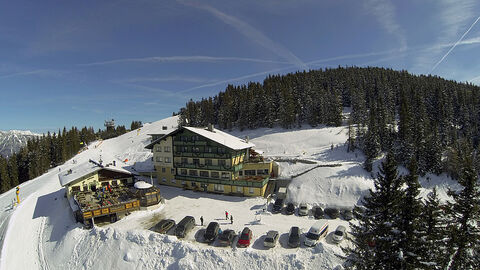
142	185
72	174
221	137
42	233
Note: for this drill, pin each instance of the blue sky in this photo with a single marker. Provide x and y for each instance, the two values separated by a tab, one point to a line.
77	63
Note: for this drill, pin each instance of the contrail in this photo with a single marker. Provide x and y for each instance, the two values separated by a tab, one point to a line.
454	45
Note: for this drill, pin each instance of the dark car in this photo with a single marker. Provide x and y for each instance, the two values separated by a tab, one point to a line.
290	209
347	214
212	231
226	238
317	212
332	212
294	237
277	206
184	226
245	238
164	225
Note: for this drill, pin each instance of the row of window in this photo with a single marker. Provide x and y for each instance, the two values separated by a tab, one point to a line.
161	159
253	172
218	187
158	148
200	149
208	162
205	174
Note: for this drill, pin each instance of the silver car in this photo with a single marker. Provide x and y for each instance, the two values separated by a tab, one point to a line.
271	239
303	209
339	234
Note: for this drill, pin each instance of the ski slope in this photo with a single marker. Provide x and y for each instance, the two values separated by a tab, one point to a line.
42	234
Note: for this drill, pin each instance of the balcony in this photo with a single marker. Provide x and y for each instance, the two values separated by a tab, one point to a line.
247	182
209	167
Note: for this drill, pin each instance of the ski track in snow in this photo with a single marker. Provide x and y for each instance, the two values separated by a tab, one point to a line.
42	233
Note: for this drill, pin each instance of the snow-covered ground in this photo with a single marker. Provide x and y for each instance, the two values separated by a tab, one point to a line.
42	233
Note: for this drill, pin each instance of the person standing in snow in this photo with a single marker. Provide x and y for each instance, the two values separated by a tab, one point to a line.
226	215
201	220
231	219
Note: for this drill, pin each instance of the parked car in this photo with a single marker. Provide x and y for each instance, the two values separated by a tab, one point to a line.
245	238
332	212
347	214
303	209
290	209
294	237
212	231
318	229
317	212
277	206
339	234
184	226
271	239
164	225
226	238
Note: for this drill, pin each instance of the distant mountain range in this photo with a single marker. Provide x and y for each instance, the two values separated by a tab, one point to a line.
11	141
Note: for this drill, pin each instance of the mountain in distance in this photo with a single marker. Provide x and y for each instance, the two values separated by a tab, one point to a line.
11	141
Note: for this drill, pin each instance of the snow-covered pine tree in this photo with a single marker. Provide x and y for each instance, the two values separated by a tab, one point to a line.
376	237
432	247
464	217
409	220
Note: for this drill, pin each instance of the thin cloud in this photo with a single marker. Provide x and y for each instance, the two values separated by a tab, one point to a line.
474	79
455	45
166	79
251	33
169	59
384	11
32	72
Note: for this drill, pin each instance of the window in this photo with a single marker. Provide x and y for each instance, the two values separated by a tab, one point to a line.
184	149
196	149
168	160
75	188
204	173
251	190
221	162
166	148
114	183
184	160
249	172
184	183
240	173
240	189
221	150
158	159
163	169
215	175
164	180
208	162
193	173
225	175
261	172
209	150
183	138
172	171
158	148
218	187
183	171
174	181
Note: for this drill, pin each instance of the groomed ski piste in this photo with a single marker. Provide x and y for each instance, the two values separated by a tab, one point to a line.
41	233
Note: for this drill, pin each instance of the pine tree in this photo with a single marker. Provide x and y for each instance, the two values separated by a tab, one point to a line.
4	177
409	221
376	237
432	248
463	218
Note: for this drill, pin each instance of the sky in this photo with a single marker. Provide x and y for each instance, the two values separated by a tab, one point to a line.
79	63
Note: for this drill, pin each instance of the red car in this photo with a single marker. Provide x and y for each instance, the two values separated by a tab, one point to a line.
245	238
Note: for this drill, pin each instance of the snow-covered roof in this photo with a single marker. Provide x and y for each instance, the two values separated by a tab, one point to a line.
67	177
221	137
142	185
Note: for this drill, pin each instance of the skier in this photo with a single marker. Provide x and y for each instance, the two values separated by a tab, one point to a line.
201	220
226	215
231	219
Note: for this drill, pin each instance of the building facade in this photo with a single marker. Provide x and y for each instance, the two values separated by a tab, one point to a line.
207	159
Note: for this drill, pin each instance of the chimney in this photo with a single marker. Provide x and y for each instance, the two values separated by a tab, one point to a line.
247	139
210	127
